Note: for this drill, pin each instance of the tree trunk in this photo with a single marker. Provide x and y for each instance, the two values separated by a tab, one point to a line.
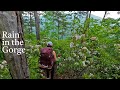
30	21
58	27
89	14
86	23
89	20
37	21
104	15
11	21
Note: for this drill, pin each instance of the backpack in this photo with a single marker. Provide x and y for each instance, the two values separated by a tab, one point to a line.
46	57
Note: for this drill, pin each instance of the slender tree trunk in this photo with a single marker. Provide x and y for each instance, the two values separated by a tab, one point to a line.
86	23
11	21
89	14
58	27
89	20
86	26
54	20
30	21
104	15
37	21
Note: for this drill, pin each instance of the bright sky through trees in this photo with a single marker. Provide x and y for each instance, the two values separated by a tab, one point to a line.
112	14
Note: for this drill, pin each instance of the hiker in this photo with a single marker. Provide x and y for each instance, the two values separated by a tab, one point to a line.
48	60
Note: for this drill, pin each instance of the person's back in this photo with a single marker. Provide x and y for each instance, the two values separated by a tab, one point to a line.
52	57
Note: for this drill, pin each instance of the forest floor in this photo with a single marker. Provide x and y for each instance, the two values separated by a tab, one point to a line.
59	76
56	75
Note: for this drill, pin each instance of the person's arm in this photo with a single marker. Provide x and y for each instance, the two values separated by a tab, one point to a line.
54	55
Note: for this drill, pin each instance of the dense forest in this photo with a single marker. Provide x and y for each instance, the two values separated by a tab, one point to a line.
86	48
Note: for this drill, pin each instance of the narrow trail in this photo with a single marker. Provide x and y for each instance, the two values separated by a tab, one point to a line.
56	76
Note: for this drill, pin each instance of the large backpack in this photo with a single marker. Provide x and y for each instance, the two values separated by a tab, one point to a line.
46	57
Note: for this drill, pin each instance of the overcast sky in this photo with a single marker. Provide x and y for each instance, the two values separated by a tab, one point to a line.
113	14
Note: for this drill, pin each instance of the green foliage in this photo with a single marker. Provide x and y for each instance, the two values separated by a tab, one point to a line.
89	52
95	56
4	73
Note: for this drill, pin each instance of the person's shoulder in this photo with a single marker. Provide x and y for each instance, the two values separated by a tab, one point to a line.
54	51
